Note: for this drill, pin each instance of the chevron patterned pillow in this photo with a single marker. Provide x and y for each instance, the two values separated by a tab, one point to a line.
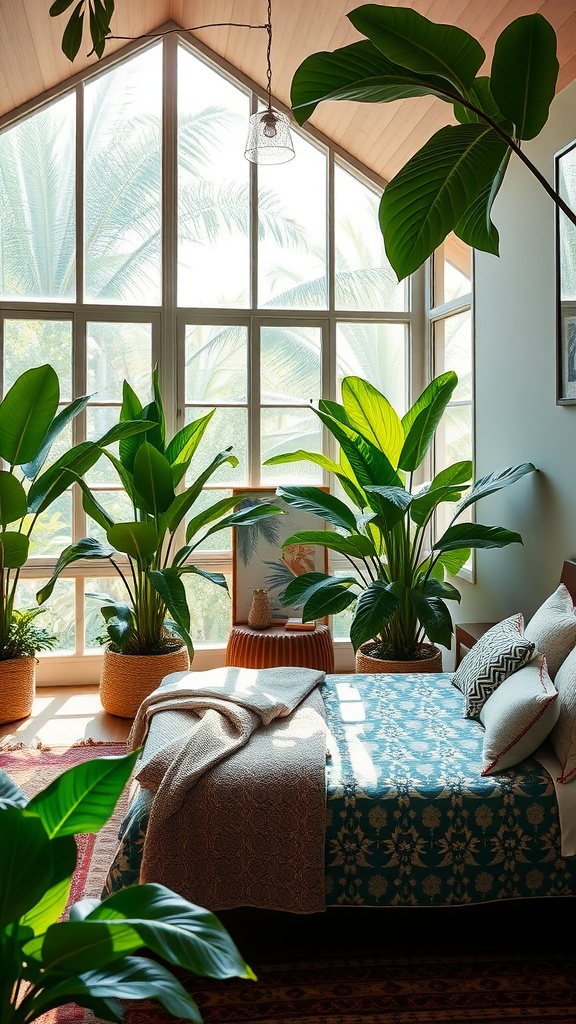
501	651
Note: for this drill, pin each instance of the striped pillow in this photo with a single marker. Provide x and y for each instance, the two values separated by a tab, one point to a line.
501	651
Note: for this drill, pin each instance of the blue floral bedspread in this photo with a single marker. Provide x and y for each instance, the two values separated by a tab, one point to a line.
410	820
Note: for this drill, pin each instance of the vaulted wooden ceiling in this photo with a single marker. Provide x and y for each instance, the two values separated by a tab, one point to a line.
381	136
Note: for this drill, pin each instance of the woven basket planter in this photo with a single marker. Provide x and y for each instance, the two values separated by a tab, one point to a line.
431	661
17	688
126	679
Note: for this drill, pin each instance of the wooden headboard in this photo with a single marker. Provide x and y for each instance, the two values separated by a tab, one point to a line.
568	577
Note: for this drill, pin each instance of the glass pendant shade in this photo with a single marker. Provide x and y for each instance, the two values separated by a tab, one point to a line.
269	140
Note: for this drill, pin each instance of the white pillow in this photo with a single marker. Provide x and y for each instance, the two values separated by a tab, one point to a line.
518	716
496	655
563	735
553	628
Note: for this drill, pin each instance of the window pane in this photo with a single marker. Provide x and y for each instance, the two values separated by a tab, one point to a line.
227	427
453	343
58	615
99	419
292	230
287	430
213	200
123	182
116	352
290	364
94	625
452	263
29	343
210	610
216	364
37	205
53	528
457	429
364	277
376	352
222	539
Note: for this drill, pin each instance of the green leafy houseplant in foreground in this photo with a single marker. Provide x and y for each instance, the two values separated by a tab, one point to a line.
144	551
99	955
451	182
398	586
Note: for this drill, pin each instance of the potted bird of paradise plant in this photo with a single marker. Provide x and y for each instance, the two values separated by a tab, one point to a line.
31	422
147	635
398	584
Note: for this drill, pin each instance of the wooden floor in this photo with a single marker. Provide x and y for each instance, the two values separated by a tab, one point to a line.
66	714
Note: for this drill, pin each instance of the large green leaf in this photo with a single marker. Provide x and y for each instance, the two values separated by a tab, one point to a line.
392	504
495	482
421	45
422	419
168	584
476	227
26	413
424	504
524	73
51	906
183	502
242	517
82	798
376	606
13	549
302	588
25	863
13	503
434	617
153	480
356	545
480	96
372	415
153	916
62	474
63	418
88	547
133	978
137	540
432	192
369	463
358	72
330	599
320	503
475	535
183	445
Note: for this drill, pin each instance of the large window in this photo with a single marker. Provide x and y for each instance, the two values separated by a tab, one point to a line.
134	234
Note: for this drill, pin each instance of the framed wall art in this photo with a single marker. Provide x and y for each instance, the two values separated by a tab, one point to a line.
565	181
259	561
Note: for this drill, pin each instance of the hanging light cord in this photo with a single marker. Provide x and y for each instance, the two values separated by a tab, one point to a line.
195	28
268	27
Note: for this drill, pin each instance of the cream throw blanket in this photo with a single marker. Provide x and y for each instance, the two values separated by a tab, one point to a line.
236	823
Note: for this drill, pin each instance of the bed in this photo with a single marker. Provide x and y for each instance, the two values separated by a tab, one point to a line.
410	820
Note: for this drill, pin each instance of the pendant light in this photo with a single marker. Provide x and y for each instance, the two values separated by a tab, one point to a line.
269	140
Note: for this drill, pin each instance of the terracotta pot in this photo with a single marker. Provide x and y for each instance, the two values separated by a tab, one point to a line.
17	688
430	661
126	679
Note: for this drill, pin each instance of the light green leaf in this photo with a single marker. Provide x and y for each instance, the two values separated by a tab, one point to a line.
153	480
373	416
26	413
421	421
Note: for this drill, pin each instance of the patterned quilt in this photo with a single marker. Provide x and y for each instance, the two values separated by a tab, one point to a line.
410	820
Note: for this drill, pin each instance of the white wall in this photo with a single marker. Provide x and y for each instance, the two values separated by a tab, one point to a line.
517	419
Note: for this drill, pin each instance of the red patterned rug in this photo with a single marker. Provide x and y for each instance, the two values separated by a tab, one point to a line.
508	974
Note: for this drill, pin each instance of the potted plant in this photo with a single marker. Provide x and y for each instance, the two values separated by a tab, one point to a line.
450	184
398	580
148	635
30	423
100	953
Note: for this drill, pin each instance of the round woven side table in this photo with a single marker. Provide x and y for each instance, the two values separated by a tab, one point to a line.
268	648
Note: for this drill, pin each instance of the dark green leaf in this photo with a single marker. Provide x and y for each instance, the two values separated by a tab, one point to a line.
153	480
524	73
376	606
88	547
330	599
319	503
13	549
434	617
31	469
59	6
430	195
168	584
358	72
13	504
356	545
474	535
421	45
495	482
480	95
391	503
476	227
26	413
25	863
137	540
51	906
304	587
72	37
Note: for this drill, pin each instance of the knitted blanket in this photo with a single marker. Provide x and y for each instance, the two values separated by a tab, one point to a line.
236	758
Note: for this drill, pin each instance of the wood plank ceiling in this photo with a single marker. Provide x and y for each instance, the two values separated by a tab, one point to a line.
381	136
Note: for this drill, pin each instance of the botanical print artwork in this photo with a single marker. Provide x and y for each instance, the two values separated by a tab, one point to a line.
260	561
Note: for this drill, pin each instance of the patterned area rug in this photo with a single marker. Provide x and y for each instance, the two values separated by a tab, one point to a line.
309	984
